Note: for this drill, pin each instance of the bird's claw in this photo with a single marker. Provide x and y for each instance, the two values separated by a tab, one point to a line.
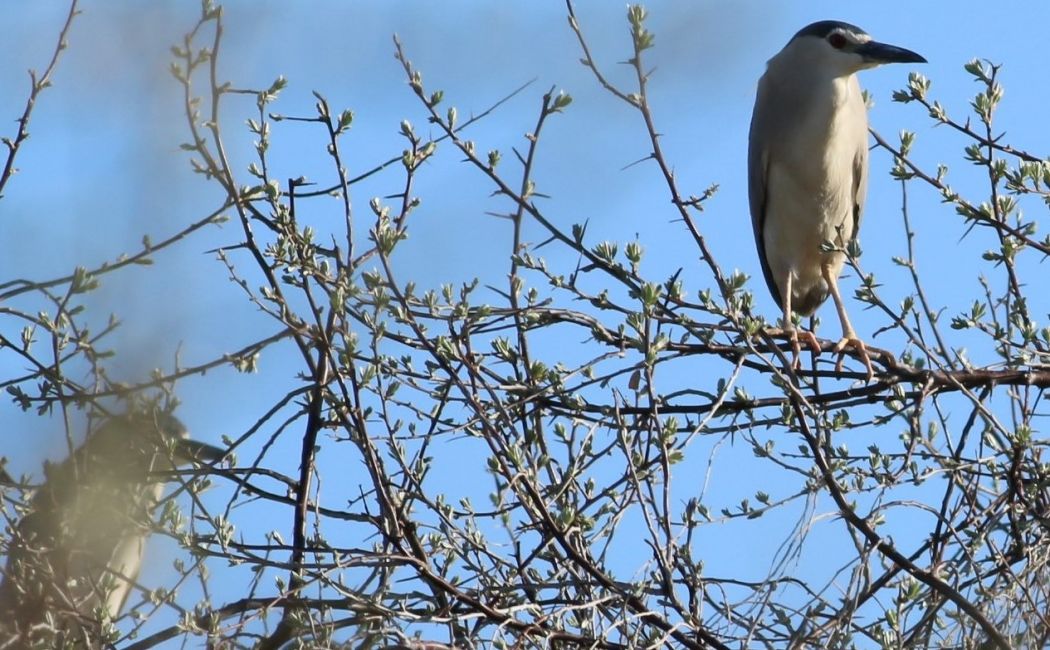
796	349
859	348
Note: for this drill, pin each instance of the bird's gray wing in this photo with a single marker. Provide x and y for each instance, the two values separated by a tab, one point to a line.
757	171
860	186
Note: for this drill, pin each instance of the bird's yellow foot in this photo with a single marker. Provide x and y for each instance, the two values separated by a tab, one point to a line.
859	348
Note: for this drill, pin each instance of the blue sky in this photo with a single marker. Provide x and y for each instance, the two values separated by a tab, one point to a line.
103	166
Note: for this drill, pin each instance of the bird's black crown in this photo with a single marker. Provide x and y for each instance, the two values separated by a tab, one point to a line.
822	28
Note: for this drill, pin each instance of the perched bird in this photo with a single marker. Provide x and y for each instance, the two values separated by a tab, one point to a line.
74	556
808	167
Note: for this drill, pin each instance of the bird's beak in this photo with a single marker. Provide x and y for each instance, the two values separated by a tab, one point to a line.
187	450
875	52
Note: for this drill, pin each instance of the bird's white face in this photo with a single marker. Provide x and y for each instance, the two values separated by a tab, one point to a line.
845	46
833	55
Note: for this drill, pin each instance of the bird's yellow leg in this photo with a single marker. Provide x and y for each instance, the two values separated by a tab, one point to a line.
849	337
793	332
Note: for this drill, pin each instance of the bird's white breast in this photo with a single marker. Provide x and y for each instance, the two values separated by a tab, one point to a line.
811	186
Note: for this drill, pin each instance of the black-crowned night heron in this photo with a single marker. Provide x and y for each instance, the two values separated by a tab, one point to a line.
73	558
808	168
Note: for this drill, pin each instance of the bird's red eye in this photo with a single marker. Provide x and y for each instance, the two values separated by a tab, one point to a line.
837	40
